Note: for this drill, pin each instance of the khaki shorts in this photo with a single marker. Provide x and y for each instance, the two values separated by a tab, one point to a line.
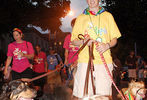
102	81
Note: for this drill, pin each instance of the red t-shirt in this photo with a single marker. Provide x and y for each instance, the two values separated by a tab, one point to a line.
20	63
39	60
71	49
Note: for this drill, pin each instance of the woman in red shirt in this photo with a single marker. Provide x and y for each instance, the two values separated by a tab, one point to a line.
39	66
20	51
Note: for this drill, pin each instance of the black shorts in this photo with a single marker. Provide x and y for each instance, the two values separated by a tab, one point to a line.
25	74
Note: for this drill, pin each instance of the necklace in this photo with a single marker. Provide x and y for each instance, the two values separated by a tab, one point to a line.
96	30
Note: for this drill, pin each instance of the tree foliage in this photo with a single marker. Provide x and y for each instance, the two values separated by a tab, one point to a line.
43	13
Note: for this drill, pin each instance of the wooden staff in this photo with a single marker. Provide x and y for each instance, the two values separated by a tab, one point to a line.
90	68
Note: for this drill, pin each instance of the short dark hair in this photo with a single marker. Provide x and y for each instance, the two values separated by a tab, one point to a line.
73	22
37	45
51	49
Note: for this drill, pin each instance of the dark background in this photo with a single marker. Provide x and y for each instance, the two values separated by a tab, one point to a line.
130	16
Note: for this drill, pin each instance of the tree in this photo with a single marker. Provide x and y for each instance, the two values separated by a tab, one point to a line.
43	13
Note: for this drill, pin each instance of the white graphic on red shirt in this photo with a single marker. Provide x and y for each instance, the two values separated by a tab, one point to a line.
17	52
72	47
38	60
